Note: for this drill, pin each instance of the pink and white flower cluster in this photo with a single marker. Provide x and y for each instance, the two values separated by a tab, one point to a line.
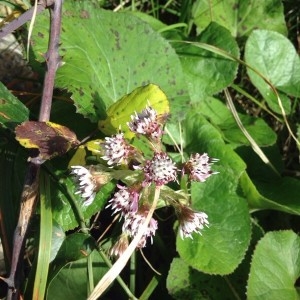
130	202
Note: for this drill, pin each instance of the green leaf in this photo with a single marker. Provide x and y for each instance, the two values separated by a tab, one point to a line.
74	247
275	267
118	114
222	246
45	239
12	110
218	114
63	212
273	56
207	72
263	188
184	282
71	281
123	53
280	194
240	17
58	237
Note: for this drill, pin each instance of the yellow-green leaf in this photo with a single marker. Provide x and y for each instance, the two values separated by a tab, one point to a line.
78	159
94	146
119	113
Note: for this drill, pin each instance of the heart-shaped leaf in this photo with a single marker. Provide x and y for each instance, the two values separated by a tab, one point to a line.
107	55
275	267
222	246
209	72
274	57
240	16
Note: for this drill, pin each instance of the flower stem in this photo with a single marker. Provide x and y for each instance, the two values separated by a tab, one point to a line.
115	270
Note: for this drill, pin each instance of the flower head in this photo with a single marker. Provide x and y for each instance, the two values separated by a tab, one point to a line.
191	221
86	184
146	123
120	246
199	167
124	200
116	149
132	224
160	169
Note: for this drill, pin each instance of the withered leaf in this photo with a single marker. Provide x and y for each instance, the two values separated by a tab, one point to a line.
49	138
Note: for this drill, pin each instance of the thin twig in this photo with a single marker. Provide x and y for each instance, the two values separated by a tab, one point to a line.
29	195
25	17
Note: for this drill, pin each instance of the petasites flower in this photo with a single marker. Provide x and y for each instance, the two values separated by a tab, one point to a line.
117	150
133	222
198	167
191	221
124	200
86	184
159	170
120	246
146	123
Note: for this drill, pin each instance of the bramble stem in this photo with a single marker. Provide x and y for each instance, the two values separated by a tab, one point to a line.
30	190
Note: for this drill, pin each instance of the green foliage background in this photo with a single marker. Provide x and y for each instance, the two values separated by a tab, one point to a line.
241	46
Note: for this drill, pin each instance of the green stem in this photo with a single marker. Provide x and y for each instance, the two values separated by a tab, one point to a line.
132	272
119	279
150	288
118	266
90	274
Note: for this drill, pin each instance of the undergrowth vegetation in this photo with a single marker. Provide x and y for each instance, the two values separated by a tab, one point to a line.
166	163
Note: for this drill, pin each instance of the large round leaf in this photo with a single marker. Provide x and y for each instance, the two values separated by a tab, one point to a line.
240	16
275	267
222	246
106	55
209	72
274	57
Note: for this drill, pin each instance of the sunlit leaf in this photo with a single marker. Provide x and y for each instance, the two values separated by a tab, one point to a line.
275	267
208	72
78	159
119	113
123	53
218	114
240	16
184	282
94	146
275	57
